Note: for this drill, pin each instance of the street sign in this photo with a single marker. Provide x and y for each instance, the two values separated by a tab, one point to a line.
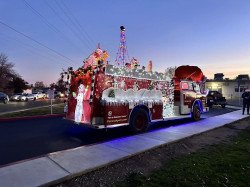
51	94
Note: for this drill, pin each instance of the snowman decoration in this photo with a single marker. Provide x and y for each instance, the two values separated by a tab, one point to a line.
79	105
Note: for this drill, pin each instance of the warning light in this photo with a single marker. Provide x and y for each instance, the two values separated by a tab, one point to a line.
184	86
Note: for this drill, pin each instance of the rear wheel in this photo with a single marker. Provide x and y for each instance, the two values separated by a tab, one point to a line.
5	101
139	121
196	113
223	105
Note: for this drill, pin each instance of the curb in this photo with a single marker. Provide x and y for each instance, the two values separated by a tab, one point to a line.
31	117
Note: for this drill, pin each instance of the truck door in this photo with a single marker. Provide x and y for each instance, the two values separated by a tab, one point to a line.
186	95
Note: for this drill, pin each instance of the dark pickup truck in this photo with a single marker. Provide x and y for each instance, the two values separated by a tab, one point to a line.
216	98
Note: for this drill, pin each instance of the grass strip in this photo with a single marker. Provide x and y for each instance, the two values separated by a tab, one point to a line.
58	109
225	164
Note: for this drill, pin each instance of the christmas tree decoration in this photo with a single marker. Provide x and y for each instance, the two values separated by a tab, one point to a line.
122	56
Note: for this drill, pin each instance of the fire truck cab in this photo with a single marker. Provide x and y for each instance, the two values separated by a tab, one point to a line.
109	96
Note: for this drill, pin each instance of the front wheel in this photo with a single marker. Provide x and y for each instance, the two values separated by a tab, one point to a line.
5	101
139	121
196	113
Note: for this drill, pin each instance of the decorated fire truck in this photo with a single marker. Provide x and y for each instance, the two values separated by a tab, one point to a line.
104	96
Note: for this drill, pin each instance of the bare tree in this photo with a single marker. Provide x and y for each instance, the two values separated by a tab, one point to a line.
6	72
10	81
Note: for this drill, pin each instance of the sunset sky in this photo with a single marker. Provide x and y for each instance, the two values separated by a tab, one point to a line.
212	34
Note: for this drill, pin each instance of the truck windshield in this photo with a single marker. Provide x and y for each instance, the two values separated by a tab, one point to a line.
196	87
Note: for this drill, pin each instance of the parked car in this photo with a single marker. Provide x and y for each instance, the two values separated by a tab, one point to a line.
39	95
16	96
216	98
4	98
59	94
45	95
27	97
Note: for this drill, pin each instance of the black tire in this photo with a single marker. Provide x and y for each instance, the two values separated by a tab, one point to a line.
26	99
139	121
5	101
223	105
196	113
34	99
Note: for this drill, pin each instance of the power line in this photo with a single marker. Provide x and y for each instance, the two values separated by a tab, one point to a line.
63	21
29	47
78	24
56	30
30	38
73	24
41	16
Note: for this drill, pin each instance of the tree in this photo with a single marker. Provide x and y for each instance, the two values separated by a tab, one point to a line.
39	84
18	84
52	86
10	81
6	72
60	85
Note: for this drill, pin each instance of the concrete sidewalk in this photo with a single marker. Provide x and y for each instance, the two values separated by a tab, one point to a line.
59	166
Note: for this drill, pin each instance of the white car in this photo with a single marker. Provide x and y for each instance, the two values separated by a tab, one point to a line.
39	95
27	97
15	97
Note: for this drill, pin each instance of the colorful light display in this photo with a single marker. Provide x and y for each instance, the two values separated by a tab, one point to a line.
122	56
102	94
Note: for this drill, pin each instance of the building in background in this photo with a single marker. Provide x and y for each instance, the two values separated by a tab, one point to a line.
230	88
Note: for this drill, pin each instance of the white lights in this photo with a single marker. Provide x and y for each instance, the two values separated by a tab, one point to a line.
135	73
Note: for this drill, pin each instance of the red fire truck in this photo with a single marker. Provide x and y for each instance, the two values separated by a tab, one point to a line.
110	96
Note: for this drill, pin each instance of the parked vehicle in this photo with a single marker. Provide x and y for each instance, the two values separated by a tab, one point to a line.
59	94
45	95
39	95
216	98
113	96
27	97
16	96
4	98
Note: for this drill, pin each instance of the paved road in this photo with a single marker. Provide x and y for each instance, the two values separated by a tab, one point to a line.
25	139
13	106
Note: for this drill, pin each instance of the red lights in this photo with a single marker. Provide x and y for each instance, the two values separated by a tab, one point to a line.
184	86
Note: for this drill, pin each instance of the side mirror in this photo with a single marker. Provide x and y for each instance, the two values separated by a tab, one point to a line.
206	92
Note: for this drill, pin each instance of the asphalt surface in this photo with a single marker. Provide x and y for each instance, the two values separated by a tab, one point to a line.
26	139
13	105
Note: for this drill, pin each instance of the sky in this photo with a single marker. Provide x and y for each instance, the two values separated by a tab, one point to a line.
211	34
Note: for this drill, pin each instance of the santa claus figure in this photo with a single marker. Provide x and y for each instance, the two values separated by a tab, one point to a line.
79	105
